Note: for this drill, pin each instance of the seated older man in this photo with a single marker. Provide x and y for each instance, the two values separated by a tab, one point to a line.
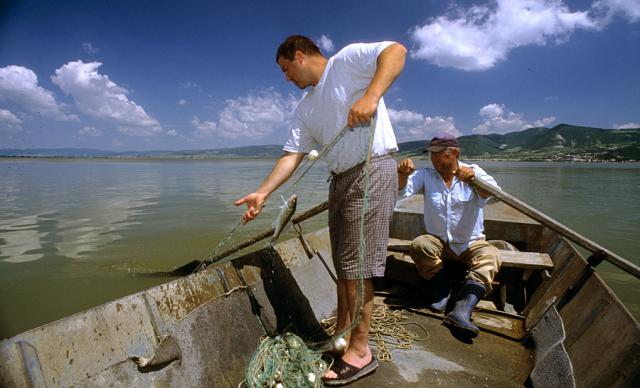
454	223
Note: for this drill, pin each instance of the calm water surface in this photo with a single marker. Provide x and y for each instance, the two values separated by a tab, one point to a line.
77	233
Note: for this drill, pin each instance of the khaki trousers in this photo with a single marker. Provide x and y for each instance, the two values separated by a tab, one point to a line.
482	258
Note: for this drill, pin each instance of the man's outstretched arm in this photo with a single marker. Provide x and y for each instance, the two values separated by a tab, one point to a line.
284	167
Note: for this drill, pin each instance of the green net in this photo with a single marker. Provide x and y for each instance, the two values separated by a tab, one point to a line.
285	361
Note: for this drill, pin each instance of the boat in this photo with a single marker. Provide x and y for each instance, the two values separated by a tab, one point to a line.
551	320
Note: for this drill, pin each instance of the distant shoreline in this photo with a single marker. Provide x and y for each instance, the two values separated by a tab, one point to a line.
135	158
562	143
227	158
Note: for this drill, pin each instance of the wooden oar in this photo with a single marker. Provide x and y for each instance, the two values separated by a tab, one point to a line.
554	225
191	266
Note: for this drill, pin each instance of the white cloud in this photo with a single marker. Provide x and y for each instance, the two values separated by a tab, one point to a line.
90	131
192	85
404	116
606	10
204	129
140	130
255	116
89	48
189	84
498	119
19	85
628	125
172	132
480	36
182	101
96	95
543	122
410	125
9	119
326	44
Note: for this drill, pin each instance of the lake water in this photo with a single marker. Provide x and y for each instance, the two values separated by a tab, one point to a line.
77	233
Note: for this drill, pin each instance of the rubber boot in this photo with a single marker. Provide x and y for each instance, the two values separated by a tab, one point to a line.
458	318
439	290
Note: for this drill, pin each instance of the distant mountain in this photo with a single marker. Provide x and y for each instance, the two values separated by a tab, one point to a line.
55	153
265	151
562	142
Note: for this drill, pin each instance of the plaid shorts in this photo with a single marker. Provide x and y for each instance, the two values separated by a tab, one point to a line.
345	207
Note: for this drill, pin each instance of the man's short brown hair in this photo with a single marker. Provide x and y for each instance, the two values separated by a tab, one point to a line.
288	48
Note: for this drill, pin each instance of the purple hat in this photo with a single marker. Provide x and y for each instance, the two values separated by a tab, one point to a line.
441	141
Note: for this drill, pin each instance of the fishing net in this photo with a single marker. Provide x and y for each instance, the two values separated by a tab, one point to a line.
358	138
286	359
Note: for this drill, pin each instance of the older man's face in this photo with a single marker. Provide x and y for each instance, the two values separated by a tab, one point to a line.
445	161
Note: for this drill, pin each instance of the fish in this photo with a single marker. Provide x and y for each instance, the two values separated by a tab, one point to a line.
287	209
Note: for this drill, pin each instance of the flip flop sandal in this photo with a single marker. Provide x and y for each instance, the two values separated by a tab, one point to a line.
348	373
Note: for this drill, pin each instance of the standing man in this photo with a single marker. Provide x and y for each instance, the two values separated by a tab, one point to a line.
454	223
345	89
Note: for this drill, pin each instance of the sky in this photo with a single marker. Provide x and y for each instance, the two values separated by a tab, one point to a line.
177	75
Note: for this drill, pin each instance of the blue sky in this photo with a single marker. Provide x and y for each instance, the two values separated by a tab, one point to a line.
171	75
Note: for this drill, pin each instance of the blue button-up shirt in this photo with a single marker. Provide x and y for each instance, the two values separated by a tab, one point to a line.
452	214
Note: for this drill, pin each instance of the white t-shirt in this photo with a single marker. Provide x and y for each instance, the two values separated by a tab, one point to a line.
323	112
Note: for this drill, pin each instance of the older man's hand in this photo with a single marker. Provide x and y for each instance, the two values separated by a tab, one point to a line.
406	167
464	174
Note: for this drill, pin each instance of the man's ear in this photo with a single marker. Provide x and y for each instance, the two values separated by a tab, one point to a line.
299	56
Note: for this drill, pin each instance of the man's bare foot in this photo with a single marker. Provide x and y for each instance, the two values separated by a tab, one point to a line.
352	358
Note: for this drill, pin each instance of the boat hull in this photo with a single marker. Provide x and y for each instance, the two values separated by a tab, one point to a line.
201	330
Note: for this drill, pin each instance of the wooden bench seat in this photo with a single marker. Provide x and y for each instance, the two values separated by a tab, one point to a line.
509	259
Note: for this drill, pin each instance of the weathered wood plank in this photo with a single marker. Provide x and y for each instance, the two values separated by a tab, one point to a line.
510	259
501	324
526	260
399	245
567	271
602	338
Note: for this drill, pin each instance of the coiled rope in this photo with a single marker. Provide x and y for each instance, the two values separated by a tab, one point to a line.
386	324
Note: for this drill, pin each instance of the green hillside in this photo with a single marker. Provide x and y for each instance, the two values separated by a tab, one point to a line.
562	142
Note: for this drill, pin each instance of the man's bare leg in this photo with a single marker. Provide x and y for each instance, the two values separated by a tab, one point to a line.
358	352
343	319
